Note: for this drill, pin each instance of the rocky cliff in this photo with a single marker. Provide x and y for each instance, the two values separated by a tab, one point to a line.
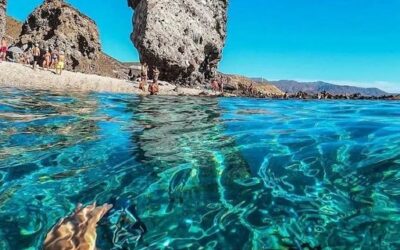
240	85
293	87
13	30
55	24
3	17
104	65
183	38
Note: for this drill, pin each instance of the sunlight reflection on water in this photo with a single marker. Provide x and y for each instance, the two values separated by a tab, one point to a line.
203	172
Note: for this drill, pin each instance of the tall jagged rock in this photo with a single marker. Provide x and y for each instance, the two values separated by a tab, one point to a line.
183	38
3	17
56	24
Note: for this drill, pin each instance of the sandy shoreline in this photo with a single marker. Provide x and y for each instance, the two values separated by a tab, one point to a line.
24	77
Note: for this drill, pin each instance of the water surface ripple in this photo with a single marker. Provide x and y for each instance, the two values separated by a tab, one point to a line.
203	173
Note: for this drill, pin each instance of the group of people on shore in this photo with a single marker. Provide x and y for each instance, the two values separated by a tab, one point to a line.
153	87
48	59
217	85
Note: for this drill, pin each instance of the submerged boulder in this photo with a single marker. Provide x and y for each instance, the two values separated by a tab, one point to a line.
57	25
183	38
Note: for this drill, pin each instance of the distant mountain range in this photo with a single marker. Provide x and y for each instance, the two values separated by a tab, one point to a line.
293	87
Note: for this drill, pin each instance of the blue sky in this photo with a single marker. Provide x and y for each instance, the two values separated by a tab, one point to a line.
342	41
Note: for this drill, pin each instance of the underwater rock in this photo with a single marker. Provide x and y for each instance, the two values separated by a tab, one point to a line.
183	38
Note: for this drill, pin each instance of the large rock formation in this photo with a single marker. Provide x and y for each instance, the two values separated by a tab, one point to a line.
183	38
104	65
55	24
3	17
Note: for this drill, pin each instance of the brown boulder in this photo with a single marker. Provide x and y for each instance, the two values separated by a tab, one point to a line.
57	25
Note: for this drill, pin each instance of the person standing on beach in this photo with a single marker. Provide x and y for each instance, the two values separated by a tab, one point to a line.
54	59
24	59
214	85
131	76
153	88
143	76
60	63
156	75
145	69
27	57
46	60
221	84
3	49
36	55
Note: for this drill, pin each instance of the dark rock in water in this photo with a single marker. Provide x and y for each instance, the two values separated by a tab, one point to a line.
3	17
57	25
183	38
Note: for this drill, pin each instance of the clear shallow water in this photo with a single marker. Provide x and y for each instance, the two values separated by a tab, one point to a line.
210	173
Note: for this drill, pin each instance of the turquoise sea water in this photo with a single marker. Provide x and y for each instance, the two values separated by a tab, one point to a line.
203	173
